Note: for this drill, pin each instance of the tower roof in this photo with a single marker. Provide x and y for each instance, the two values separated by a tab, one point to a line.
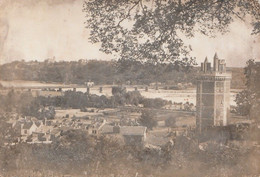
206	60
216	56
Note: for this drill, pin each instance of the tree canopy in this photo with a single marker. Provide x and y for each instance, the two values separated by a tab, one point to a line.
148	119
153	30
248	101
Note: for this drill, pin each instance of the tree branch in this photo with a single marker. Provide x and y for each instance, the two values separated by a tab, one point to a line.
129	11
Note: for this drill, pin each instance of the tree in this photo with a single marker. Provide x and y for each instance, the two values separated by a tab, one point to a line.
4	131
156	103
243	103
252	72
170	121
118	91
248	100
148	119
31	109
49	113
148	30
133	98
11	100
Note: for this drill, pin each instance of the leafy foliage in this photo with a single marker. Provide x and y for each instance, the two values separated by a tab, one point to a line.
148	119
44	107
170	121
243	102
26	105
252	72
150	31
100	72
248	100
154	103
107	72
79	154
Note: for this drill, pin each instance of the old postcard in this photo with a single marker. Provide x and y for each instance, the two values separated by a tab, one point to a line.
129	88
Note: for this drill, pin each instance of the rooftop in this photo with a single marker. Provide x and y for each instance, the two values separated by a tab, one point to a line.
133	130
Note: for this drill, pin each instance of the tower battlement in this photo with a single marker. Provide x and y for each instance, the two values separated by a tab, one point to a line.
219	65
213	94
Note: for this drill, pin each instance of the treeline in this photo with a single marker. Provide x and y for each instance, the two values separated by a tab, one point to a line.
26	105
106	72
100	72
80	100
43	107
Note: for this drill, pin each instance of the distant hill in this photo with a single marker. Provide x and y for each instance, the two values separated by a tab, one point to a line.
105	72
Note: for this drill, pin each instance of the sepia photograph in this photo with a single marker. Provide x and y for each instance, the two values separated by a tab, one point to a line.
129	88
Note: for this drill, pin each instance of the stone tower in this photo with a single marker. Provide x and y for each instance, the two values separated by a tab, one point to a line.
213	94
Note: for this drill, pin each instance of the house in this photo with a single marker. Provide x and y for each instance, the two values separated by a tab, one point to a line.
47	122
24	130
44	129
34	137
39	137
133	135
28	128
95	128
110	129
107	129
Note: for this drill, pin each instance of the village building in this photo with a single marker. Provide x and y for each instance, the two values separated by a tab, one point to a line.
128	135
32	130
133	135
96	127
28	128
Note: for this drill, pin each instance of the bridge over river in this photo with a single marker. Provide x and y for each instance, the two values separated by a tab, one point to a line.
53	89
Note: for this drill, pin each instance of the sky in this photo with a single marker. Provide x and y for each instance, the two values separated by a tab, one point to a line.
41	29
